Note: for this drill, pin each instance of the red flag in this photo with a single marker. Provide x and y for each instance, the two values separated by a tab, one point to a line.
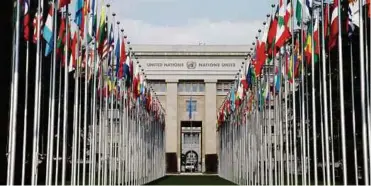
123	51
334	24
35	22
368	2
63	3
26	20
325	22
73	49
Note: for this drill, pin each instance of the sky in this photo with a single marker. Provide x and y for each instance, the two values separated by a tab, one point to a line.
231	22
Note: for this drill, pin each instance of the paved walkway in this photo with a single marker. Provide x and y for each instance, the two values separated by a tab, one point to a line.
191	180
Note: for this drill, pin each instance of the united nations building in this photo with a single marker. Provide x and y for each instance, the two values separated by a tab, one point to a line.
191	81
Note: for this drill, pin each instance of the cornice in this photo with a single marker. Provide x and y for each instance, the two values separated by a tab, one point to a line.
162	53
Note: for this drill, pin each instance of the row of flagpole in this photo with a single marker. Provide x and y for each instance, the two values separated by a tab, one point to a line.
299	111
94	118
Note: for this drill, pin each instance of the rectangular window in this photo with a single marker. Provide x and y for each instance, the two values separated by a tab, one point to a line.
158	85
193	105
194	87
191	86
224	86
202	87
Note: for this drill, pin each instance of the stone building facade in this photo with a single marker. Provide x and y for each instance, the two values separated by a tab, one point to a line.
191	81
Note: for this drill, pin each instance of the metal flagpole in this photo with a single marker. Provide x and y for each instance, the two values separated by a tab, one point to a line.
303	122
85	130
288	161
280	119
58	125
294	107
94	123
39	155
25	116
342	112
52	116
100	133
322	132
367	86
10	138
78	140
75	113
353	115
65	102
14	100
363	99
36	129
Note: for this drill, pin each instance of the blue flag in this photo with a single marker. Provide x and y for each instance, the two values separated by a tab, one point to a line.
117	53
190	108
78	14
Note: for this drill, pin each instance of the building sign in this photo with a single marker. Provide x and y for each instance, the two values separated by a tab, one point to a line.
190	65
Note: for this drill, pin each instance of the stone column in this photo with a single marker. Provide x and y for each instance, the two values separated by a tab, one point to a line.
210	118
172	134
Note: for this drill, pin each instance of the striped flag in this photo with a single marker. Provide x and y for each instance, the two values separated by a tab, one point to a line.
48	31
38	18
334	24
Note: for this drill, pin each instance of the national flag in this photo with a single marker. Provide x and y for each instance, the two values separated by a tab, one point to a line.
350	25
136	82
316	41
261	47
277	80
117	54
63	3
302	11
283	32
48	31
123	51
74	51
128	69
233	99
38	18
248	76
79	13
102	33
308	44
326	20
334	24
271	37
92	20
288	14
26	19
190	108
61	38
110	46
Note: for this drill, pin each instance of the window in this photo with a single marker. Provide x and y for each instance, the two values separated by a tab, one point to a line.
224	86
193	105
158	86
191	86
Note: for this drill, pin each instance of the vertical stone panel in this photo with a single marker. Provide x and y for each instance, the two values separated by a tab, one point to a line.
210	121
171	121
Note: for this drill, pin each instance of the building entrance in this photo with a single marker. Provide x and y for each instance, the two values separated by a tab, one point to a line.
191	140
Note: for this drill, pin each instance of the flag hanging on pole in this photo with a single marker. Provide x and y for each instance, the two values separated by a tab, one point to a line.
79	14
117	53
48	31
334	30
190	108
63	3
26	20
35	22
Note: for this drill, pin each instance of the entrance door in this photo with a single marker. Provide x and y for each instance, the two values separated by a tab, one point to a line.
191	146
